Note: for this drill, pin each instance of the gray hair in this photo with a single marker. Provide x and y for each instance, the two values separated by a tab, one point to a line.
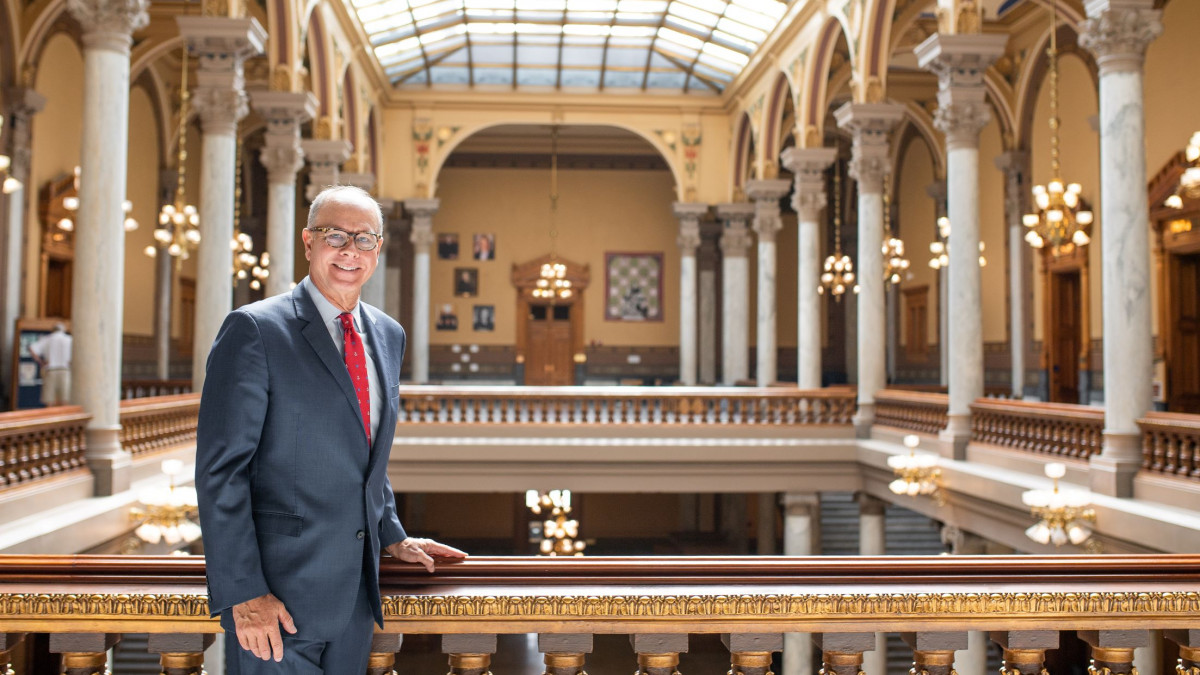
337	192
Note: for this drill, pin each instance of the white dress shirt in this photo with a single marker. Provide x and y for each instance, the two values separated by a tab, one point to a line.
329	315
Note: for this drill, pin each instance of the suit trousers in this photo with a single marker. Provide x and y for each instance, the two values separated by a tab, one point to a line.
347	655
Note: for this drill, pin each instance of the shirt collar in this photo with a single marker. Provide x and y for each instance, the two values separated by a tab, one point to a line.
329	313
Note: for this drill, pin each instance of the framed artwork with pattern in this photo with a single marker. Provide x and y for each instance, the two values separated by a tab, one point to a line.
633	286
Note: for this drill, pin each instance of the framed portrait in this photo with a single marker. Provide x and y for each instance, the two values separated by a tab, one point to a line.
466	282
484	247
447	246
484	317
633	286
447	319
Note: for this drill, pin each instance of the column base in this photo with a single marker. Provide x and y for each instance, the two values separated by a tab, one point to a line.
956	436
112	467
864	419
1111	473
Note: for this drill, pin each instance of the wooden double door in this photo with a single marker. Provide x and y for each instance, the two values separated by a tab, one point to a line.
1183	358
549	358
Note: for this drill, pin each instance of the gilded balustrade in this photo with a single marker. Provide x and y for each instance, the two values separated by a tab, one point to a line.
1171	444
37	444
625	405
86	603
1058	429
148	424
922	412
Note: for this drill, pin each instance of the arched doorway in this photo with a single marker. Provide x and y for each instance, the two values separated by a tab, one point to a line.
549	330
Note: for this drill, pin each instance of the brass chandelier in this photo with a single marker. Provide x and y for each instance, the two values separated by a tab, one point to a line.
10	184
245	263
895	264
559	531
553	283
1189	181
179	222
1064	516
1060	220
941	248
838	274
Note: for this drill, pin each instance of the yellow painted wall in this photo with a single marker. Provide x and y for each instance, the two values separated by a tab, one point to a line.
1080	155
598	212
57	137
918	227
1172	99
142	190
992	232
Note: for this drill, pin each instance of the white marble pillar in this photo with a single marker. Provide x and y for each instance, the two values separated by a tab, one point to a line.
1015	166
872	540
706	260
973	659
689	215
937	192
380	290
397	234
735	292
282	156
808	166
870	124
422	212
22	104
1118	33
960	61
221	45
373	290
765	195
324	157
164	277
1148	659
801	520
97	291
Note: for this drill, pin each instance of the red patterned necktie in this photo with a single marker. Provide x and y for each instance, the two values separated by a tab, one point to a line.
356	364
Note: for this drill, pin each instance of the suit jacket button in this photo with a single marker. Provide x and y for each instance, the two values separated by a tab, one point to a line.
359	534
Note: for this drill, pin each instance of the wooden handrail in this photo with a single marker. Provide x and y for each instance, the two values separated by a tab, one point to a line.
625	405
37	444
1059	429
923	412
151	423
1171	444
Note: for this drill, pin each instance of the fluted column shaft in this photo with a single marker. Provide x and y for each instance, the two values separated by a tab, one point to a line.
766	195
97	291
422	211
283	157
1015	166
23	104
735	276
870	124
808	166
1118	33
689	215
221	46
960	61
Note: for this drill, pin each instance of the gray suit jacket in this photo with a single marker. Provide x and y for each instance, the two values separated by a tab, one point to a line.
292	501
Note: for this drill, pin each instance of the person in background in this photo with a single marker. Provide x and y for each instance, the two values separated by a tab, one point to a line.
52	352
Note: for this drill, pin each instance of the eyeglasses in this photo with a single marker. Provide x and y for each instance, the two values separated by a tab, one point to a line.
336	238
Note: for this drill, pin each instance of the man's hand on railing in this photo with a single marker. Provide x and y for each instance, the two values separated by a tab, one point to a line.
257	622
417	550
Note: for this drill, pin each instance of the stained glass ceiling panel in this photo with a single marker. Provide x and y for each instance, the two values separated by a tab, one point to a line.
688	46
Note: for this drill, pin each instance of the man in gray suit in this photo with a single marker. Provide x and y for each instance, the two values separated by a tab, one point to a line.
296	423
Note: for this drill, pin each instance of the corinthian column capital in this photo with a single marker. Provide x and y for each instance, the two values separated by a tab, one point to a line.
1119	31
960	62
689	215
808	166
23	104
766	195
109	24
735	237
221	45
870	124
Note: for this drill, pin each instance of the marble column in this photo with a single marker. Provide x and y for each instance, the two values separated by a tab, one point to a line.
765	195
801	521
937	192
735	292
422	212
97	291
1118	33
22	104
960	61
870	164
324	157
373	290
282	156
872	540
689	215
221	46
1015	166
765	536
707	261
808	166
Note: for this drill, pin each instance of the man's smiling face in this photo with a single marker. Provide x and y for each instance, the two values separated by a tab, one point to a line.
339	273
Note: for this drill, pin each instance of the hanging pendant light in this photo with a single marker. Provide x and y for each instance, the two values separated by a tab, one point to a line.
838	273
245	263
179	222
553	283
894	262
1060	220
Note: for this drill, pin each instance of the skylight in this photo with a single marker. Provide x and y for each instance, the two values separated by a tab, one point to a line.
661	45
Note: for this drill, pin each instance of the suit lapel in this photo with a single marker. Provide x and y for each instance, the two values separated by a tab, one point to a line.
383	368
318	338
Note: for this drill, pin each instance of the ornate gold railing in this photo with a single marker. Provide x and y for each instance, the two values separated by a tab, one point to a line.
148	424
922	412
625	405
1112	602
1059	429
1171	444
37	444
